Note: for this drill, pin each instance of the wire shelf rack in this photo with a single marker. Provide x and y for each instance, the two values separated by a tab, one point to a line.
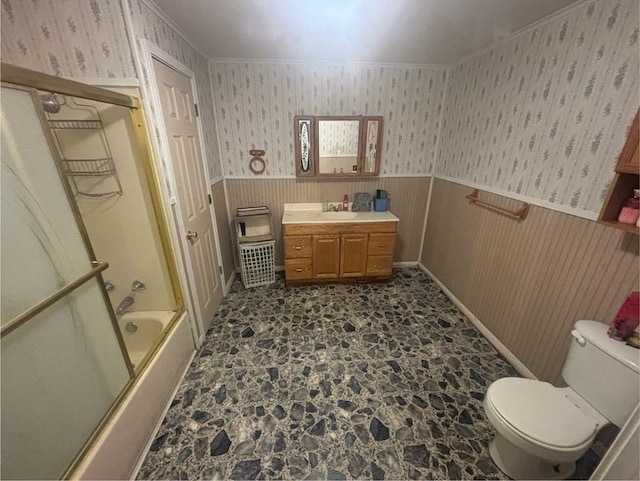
93	159
75	124
89	167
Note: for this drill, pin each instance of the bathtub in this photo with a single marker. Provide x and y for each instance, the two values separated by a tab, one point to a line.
132	428
151	325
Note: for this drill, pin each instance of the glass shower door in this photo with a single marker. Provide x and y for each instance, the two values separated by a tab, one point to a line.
63	366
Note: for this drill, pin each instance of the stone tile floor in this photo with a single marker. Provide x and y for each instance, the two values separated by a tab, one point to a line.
371	381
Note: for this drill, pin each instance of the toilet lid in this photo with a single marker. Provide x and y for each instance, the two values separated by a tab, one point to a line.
541	412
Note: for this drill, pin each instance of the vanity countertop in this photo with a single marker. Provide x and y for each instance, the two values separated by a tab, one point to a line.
311	213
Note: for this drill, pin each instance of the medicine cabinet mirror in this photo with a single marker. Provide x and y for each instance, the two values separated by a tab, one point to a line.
329	146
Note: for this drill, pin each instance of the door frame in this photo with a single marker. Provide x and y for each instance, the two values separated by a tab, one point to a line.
151	96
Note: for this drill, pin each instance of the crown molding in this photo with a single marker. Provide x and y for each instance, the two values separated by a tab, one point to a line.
151	5
563	12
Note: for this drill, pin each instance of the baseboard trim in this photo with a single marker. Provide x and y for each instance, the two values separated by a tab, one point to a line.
227	286
395	264
501	348
405	264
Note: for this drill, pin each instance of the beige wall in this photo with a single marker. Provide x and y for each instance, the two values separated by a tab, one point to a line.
408	202
528	281
123	229
224	233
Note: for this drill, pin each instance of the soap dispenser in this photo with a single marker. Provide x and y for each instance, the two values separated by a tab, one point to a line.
345	202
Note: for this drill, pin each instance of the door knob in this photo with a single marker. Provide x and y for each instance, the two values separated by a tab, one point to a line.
192	235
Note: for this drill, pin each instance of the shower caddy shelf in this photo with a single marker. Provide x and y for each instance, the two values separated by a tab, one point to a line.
98	167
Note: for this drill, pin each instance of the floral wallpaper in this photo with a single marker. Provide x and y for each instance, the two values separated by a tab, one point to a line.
78	38
543	115
67	38
146	24
546	114
256	103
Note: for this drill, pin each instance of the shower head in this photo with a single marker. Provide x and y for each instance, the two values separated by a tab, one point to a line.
50	103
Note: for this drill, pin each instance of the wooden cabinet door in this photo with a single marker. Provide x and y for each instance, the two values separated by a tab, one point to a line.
353	255
326	256
628	162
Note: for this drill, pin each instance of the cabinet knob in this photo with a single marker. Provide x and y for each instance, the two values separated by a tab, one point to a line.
299	269
298	248
382	245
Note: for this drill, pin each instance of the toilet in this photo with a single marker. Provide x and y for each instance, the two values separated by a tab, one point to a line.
542	429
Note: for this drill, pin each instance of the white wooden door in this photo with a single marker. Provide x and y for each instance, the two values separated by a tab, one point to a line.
178	111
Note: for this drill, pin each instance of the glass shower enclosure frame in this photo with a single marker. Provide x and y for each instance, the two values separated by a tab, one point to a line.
71	285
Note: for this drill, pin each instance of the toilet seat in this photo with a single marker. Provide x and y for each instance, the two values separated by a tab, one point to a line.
539	415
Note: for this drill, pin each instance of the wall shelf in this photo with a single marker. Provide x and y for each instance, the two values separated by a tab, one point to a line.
254	228
632	229
626	178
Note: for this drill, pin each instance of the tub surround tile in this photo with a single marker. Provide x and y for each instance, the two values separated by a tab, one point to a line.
372	381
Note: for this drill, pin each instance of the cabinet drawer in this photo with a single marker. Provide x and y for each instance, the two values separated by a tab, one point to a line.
297	246
379	265
298	268
381	244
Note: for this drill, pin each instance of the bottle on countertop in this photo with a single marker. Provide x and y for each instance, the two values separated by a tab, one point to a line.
630	212
345	202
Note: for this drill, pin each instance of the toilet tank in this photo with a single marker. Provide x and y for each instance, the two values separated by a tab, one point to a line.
605	372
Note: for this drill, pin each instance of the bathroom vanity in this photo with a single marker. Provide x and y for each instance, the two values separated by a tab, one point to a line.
337	246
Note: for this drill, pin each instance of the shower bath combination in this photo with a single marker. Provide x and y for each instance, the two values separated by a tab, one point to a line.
76	166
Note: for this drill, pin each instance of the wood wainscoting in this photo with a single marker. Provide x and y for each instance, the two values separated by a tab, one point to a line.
408	202
528	281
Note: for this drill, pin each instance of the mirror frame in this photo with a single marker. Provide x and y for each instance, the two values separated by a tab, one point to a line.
363	147
313	150
298	122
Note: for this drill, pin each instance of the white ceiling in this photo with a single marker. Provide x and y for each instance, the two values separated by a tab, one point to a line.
381	31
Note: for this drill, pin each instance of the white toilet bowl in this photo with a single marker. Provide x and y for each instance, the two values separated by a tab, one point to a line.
541	429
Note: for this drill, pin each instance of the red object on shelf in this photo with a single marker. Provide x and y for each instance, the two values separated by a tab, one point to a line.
627	319
631	210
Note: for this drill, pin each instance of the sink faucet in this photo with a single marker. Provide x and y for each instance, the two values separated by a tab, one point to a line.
125	304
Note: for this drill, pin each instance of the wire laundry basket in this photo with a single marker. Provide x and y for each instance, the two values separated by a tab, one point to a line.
257	261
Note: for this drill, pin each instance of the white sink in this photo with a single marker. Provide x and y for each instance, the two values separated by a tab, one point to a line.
338	215
312	214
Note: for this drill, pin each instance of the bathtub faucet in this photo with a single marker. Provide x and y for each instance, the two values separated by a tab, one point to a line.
126	303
